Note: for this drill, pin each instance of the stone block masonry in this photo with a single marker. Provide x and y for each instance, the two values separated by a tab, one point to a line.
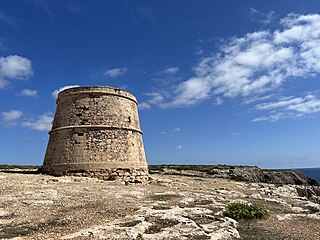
96	132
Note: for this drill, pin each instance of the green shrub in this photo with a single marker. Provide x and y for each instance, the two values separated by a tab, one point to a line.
238	210
5	166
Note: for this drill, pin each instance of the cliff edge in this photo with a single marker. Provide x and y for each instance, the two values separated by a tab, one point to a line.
238	173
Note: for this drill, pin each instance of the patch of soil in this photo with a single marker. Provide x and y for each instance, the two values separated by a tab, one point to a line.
196	203
25	229
252	230
203	219
165	197
199	237
271	206
159	223
130	223
161	207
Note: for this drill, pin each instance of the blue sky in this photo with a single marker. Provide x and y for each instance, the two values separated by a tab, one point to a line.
218	82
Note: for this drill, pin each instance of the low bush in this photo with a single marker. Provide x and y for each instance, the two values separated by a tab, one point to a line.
5	166
238	210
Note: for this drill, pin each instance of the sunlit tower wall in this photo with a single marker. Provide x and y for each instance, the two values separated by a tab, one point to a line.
96	132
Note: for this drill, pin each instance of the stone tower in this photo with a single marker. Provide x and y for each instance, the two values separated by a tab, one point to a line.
96	132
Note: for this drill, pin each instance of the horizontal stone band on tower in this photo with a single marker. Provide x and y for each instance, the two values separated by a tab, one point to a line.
95	126
96	132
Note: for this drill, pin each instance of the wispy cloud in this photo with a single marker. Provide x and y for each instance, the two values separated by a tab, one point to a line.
144	105
283	102
289	107
25	139
27	93
40	123
171	70
198	50
262	17
218	101
4	18
43	5
177	129
49	6
179	147
257	99
72	8
115	72
155	98
3	46
143	14
56	92
9	119
167	77
14	67
272	118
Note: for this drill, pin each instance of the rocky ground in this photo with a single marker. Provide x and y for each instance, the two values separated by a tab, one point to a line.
35	206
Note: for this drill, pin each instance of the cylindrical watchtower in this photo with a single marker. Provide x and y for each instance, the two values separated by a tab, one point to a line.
96	132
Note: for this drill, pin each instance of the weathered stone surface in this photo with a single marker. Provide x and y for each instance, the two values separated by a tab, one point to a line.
35	206
95	129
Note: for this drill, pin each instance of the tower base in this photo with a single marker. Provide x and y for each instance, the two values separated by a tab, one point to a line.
131	175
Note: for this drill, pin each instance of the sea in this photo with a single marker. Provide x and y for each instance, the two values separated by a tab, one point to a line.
310	172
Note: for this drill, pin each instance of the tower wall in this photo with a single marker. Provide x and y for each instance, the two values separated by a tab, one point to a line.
96	132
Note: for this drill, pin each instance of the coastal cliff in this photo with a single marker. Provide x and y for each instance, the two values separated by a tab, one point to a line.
238	173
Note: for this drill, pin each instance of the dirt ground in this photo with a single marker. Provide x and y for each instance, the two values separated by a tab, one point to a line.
35	206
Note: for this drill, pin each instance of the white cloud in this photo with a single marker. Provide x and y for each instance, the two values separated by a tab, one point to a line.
9	118
218	101
171	70
179	147
155	98
177	130
28	93
14	67
115	72
11	115
191	92
163	133
41	123
301	28
253	64
144	105
247	66
235	134
56	92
